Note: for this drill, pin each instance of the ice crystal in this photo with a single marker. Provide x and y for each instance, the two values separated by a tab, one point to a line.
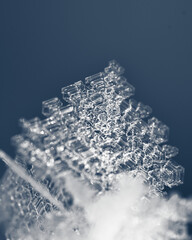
101	134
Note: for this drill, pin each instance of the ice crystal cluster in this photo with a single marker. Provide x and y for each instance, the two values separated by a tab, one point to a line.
102	134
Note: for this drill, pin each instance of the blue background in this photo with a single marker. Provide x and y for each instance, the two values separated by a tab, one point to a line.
45	45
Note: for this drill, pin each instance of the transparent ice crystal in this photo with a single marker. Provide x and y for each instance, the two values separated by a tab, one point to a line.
102	133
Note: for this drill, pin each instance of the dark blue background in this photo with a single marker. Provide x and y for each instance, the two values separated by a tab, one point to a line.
45	45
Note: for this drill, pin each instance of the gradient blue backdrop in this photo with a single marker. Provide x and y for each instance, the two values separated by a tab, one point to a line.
45	45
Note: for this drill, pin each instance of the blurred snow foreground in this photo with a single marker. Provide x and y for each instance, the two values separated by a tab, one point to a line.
93	169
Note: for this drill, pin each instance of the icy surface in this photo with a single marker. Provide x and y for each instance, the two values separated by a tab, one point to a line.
101	134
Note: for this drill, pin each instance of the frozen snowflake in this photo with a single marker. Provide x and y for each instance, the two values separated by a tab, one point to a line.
102	134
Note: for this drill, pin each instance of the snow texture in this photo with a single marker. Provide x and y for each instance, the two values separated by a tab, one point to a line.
94	169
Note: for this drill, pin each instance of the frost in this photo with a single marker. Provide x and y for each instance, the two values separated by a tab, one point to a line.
79	152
